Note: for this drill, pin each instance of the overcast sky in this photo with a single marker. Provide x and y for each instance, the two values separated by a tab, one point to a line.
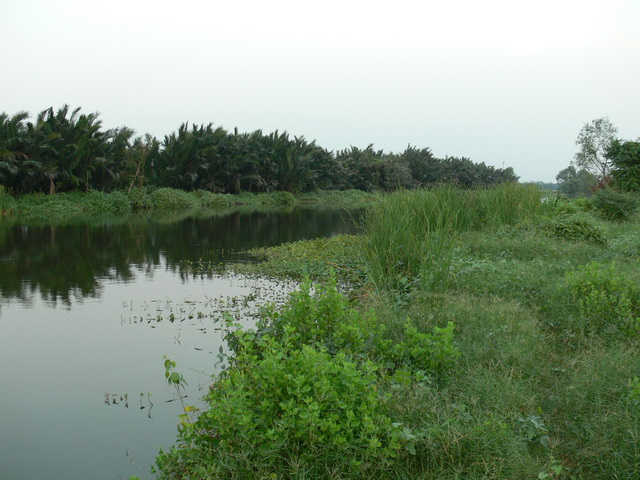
505	82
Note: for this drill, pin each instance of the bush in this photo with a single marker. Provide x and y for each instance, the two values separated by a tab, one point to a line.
212	200
7	202
614	205
302	413
573	206
603	300
327	321
172	199
276	198
301	398
574	228
100	202
139	198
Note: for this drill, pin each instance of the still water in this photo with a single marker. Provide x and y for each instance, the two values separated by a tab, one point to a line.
89	308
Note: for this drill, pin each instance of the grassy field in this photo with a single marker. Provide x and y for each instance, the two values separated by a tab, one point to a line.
488	335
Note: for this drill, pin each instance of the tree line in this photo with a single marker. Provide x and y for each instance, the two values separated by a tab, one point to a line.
67	150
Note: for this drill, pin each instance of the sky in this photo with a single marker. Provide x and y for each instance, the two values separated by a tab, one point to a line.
506	82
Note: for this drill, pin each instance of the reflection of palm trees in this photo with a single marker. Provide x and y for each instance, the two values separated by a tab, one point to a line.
62	261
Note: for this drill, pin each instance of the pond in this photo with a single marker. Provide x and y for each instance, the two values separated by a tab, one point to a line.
89	308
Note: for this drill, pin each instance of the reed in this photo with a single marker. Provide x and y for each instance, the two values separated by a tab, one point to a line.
410	234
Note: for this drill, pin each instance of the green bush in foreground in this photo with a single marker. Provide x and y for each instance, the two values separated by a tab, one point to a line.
302	413
326	320
302	396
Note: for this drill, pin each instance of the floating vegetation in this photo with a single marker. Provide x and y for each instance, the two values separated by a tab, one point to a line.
197	313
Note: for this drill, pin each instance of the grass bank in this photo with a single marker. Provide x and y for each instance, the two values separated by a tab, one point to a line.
64	205
491	336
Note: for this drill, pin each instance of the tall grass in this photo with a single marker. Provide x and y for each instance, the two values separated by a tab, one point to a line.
410	234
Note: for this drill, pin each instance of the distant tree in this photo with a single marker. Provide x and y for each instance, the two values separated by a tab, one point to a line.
625	159
576	183
594	140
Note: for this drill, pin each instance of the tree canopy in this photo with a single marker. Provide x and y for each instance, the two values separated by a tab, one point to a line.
625	159
594	140
67	150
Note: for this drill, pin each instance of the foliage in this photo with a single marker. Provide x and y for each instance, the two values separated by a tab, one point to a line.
317	259
575	228
295	410
576	183
292	411
301	393
99	202
594	140
613	205
625	158
6	201
326	320
172	199
410	235
213	200
72	204
66	150
604	300
139	198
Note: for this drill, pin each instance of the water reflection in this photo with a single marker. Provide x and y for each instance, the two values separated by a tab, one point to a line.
67	261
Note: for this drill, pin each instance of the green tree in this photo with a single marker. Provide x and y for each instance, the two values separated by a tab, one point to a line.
625	158
594	140
576	183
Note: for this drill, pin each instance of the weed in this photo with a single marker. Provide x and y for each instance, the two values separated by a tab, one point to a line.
575	228
604	300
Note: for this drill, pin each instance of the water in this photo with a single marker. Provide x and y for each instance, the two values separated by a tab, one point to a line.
87	312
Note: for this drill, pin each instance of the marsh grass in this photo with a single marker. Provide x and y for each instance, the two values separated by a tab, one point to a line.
72	204
532	394
410	235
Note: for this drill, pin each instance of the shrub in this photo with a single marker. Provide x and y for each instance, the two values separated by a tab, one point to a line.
211	200
100	202
7	202
326	320
300	397
573	206
298	412
172	199
614	205
603	300
574	228
276	198
139	198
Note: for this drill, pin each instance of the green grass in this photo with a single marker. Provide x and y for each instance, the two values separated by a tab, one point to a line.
410	236
6	202
545	381
64	205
